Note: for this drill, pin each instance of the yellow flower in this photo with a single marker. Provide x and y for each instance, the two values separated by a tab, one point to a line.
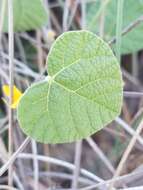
16	95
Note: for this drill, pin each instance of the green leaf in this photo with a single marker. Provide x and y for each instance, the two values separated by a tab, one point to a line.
132	41
28	15
82	93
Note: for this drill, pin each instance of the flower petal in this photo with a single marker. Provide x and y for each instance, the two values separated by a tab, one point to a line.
16	94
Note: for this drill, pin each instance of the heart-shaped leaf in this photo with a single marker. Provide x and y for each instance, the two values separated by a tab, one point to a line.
82	93
28	15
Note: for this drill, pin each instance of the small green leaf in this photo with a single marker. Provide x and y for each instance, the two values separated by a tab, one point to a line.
82	93
132	41
28	15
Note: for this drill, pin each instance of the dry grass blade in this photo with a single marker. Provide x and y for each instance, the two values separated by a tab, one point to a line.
2	12
66	14
129	129
133	94
78	149
126	154
11	81
61	163
14	156
7	187
98	151
130	27
35	166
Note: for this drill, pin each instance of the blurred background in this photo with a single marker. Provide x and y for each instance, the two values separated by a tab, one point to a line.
93	161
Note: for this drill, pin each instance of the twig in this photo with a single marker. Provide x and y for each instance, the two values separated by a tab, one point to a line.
14	156
19	163
65	14
18	182
130	27
32	40
7	187
47	8
60	163
54	4
2	14
132	79
83	14
100	154
126	154
55	22
129	129
25	68
78	148
4	157
133	188
61	175
11	78
35	166
21	48
133	94
4	75
71	16
120	180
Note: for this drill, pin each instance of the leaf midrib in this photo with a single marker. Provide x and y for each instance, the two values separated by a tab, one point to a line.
71	91
78	60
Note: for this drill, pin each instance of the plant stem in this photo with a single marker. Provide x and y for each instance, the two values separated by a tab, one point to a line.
126	154
129	28
102	20
83	14
35	165
62	163
11	78
2	14
66	14
78	149
14	156
119	28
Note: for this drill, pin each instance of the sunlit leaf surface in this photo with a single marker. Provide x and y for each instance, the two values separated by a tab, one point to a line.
82	93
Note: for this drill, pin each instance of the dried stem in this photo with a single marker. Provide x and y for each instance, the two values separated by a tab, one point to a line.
14	156
83	12
130	27
2	13
66	14
11	78
7	187
101	155
78	148
59	162
35	166
126	154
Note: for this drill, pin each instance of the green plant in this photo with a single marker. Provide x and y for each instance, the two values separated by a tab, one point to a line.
132	10
28	15
81	94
